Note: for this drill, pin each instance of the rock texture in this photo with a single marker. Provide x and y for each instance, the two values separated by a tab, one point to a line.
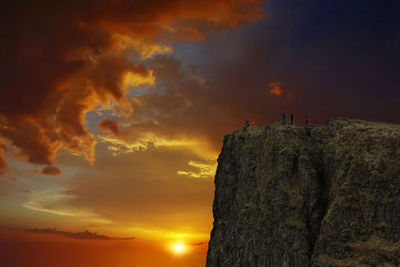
308	196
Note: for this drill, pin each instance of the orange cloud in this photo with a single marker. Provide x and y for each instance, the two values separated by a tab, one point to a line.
276	88
63	59
36	144
110	126
145	48
51	170
3	163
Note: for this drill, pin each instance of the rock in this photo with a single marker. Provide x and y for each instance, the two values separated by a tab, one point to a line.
308	196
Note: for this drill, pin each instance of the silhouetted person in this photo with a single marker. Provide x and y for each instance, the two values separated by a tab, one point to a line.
283	118
307	119
291	119
246	125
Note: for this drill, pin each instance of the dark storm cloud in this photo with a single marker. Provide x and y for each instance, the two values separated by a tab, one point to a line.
61	59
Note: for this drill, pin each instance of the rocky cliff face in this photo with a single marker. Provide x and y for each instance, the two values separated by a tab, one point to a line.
308	196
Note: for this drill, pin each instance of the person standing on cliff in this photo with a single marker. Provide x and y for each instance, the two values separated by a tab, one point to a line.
307	119
283	118
246	125
291	119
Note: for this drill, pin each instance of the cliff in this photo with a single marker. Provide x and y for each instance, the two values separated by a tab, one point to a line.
308	196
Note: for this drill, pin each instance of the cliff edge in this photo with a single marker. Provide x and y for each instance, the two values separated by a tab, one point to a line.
308	196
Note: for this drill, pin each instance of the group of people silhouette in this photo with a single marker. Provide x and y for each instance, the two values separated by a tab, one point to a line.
283	121
284	118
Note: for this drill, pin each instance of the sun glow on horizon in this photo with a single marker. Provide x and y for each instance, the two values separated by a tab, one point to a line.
179	247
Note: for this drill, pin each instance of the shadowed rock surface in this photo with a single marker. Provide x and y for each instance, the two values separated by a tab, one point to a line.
308	196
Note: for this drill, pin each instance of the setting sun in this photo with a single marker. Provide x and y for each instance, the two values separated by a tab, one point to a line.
179	247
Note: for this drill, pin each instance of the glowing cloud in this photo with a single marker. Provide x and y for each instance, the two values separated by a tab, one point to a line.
141	143
131	79
146	49
146	141
276	88
57	203
203	170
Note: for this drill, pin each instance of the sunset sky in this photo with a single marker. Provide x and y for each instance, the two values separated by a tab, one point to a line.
112	113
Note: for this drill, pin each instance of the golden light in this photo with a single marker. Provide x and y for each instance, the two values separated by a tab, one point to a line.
179	248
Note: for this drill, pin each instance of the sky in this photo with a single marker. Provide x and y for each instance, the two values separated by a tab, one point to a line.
112	113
